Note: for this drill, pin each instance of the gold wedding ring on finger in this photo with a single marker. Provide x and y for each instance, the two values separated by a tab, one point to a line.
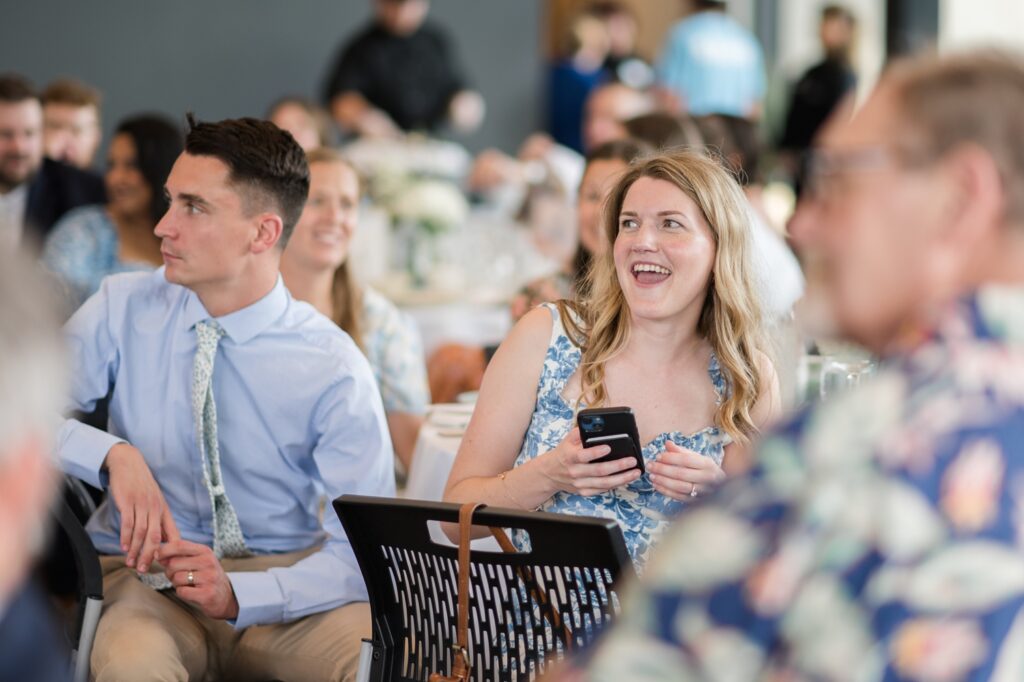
191	579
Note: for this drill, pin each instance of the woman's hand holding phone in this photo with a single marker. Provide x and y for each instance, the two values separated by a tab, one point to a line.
681	474
571	468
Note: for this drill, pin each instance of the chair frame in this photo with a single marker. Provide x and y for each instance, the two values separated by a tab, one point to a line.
576	559
90	589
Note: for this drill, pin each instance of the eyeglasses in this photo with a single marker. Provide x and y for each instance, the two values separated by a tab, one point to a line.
828	169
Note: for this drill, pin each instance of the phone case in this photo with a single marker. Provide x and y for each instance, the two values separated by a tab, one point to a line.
612	426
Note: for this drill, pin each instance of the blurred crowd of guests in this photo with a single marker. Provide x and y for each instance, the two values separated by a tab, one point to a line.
860	535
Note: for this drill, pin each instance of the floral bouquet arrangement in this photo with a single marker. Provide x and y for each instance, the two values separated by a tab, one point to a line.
421	208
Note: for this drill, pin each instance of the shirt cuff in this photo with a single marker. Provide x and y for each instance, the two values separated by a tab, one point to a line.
83	449
259	598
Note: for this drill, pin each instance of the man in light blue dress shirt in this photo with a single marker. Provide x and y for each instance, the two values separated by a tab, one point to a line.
298	415
712	65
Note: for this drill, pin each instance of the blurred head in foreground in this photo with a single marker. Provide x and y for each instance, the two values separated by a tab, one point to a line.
920	197
32	382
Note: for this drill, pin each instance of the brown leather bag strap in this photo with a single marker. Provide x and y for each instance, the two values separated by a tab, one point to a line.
465	526
460	661
461	669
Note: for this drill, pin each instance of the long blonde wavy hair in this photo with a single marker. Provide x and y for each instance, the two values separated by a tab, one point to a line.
730	320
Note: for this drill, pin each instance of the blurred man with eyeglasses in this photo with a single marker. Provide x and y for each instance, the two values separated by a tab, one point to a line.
881	534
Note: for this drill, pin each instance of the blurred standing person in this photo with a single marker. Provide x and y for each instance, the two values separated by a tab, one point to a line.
400	74
34	191
574	77
92	242
712	65
71	122
32	381
821	87
622	64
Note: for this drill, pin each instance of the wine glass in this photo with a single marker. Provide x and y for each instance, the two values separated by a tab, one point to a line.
839	374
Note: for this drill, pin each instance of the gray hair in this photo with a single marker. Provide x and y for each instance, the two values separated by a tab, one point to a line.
33	364
974	98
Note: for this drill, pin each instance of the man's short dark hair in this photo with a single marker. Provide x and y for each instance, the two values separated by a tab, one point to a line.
265	162
15	89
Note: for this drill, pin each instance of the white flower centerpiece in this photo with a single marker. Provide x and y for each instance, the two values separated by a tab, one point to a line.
421	209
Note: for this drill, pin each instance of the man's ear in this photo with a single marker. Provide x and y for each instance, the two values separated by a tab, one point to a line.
976	206
972	203
269	229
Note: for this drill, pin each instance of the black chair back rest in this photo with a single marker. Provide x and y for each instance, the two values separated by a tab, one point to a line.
412	584
89	576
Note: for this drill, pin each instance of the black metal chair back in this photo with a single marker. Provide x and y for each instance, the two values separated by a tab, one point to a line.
89	587
575	563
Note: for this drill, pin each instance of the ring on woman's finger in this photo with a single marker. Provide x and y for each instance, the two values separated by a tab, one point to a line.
693	490
191	579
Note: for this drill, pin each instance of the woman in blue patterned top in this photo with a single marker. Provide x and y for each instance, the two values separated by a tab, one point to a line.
92	242
315	269
670	327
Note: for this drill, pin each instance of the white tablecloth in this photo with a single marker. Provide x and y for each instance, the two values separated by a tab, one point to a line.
431	462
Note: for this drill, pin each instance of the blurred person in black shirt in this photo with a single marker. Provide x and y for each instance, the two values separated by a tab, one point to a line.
821	87
400	74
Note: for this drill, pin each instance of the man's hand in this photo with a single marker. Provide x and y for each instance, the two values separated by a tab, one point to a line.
146	520
210	590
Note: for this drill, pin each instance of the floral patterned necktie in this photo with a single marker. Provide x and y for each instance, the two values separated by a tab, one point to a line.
228	540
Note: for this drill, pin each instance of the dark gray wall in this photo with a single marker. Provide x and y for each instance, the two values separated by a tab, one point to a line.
225	58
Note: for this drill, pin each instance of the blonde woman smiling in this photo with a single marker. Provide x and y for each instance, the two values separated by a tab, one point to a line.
671	328
315	269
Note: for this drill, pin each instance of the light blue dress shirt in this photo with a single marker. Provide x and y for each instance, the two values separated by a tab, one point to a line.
714	64
298	414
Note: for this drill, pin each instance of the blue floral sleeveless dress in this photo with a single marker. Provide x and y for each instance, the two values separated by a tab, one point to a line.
642	512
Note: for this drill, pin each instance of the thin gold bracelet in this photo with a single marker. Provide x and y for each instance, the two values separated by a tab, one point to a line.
508	490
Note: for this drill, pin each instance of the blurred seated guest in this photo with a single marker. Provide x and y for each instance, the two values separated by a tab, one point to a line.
309	124
712	64
880	535
234	410
542	160
608	108
92	242
400	74
34	191
664	131
32	385
573	76
454	368
315	268
623	63
779	276
668	325
71	122
822	87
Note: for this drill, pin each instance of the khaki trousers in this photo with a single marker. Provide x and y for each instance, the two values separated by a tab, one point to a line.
148	635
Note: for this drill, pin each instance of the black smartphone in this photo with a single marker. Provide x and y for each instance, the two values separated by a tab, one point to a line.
612	426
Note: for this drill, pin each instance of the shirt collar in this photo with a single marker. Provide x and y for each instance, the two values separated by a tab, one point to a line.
999	312
241	325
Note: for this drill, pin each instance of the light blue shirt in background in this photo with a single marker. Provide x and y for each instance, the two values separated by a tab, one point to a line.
298	415
82	249
714	65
